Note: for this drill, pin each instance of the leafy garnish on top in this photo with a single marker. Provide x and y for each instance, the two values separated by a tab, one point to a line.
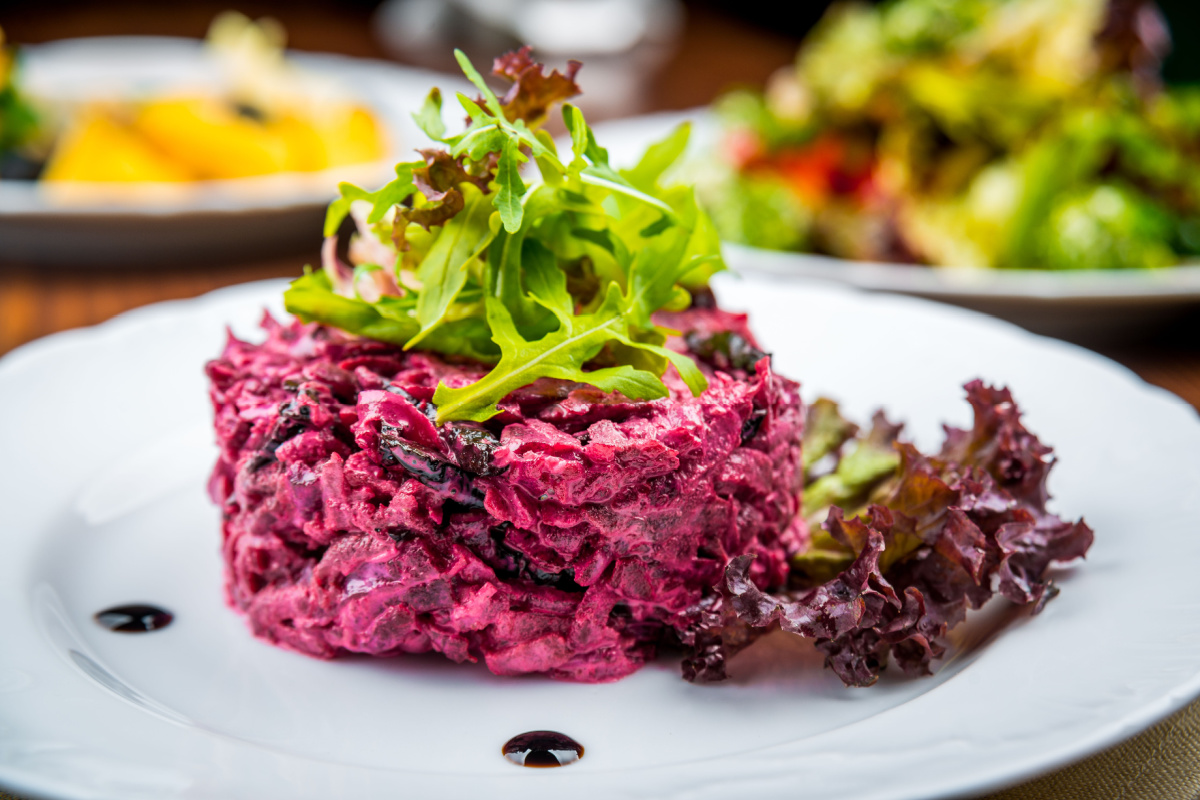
461	256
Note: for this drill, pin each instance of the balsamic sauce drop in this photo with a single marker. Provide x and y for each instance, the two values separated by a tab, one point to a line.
134	618
542	749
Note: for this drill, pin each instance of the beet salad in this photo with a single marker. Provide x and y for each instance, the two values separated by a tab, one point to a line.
510	424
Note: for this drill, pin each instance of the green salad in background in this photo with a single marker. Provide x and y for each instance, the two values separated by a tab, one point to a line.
968	133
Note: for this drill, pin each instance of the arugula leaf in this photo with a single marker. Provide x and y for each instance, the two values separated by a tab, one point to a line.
591	162
607	241
558	280
693	378
577	127
505	259
489	97
512	189
606	177
560	354
391	319
443	272
382	200
652	286
658	158
546	167
311	298
429	118
563	352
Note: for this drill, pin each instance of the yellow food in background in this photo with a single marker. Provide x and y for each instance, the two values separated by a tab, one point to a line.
351	138
212	139
97	148
271	118
185	139
303	145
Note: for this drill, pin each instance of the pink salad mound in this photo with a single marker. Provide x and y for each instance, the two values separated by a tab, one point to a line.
569	535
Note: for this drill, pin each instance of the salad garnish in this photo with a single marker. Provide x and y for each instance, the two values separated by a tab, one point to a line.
554	278
902	543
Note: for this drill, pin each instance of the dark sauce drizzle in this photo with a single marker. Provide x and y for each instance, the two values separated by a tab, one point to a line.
134	618
542	749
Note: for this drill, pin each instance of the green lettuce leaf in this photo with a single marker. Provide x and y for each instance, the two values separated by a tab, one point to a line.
560	354
429	118
444	271
558	280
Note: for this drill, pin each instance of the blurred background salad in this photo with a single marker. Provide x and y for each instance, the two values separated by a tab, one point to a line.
968	133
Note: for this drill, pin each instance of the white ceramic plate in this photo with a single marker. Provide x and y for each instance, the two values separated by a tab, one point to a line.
83	224
107	447
1092	306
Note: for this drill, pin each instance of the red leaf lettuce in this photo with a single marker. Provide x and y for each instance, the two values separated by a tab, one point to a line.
916	547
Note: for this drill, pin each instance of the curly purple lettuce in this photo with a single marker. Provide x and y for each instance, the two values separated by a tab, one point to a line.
908	551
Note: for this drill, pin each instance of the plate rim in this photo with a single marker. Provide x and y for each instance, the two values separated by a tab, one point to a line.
1167	284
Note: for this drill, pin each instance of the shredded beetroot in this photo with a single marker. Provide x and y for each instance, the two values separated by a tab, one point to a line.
569	535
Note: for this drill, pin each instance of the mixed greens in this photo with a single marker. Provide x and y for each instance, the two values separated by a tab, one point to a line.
550	279
971	133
